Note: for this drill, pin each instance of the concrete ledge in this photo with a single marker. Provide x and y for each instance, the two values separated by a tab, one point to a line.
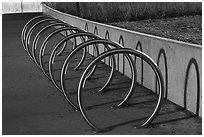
180	62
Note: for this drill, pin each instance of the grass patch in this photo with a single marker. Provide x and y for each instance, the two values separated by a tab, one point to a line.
186	28
175	20
106	12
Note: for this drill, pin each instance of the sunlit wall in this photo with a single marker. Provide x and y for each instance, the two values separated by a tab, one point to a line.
18	7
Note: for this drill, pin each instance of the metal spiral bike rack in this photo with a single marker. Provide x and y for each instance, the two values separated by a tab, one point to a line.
87	39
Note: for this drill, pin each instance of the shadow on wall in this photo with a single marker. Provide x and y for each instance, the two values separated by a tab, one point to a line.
192	62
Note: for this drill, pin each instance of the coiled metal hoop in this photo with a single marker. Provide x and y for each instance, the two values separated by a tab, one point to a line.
122	51
86	39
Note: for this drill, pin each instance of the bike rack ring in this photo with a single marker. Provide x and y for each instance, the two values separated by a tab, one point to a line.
27	39
72	53
35	41
105	42
95	40
54	53
23	33
43	46
123	51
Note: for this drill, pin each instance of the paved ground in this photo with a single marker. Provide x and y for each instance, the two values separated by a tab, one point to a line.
32	105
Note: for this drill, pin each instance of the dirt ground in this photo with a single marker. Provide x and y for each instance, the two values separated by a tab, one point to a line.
186	28
31	105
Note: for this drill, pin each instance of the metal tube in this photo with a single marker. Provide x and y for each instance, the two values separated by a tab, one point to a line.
66	63
90	69
27	39
43	46
54	52
123	51
91	42
35	41
23	33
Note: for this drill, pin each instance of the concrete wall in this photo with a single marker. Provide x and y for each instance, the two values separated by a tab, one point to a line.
180	62
18	7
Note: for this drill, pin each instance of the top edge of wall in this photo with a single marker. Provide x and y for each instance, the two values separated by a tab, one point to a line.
131	31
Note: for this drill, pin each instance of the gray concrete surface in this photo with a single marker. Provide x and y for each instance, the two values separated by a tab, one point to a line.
31	105
173	58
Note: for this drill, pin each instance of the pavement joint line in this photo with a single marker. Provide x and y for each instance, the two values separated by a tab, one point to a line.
35	114
6	56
